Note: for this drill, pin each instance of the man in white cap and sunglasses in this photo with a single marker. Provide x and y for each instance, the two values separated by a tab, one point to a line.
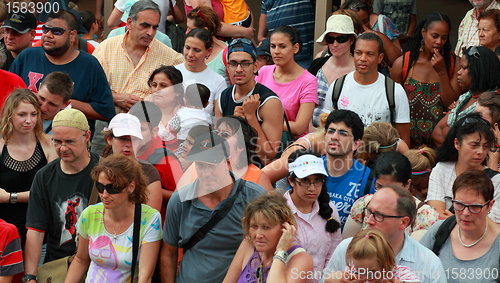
60	192
259	105
190	222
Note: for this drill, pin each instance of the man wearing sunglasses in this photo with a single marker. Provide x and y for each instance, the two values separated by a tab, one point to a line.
91	93
259	105
390	211
190	208
60	192
19	33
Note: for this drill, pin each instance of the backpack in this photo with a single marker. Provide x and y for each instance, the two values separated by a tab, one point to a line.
389	94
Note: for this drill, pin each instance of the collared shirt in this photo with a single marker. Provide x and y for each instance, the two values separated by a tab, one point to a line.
422	261
123	76
312	236
471	34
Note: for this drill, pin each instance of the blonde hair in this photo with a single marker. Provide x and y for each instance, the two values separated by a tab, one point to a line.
421	159
272	206
9	108
378	138
371	244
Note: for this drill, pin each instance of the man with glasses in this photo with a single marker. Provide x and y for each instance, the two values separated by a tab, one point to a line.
347	178
390	211
208	252
367	92
91	93
259	105
19	33
60	192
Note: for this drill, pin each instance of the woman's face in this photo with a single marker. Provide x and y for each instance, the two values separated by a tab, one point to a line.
123	145
489	36
464	79
485	113
472	150
466	220
195	52
282	49
24	118
365	18
231	137
339	49
435	36
384	180
264	236
304	193
111	201
162	90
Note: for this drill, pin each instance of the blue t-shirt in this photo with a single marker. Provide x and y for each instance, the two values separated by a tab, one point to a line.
89	80
346	189
296	13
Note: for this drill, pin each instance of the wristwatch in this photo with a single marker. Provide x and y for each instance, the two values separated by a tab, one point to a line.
28	277
281	255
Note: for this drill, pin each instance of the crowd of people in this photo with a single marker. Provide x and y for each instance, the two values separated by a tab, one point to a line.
154	156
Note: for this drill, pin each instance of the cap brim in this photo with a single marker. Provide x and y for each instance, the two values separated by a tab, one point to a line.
14	28
206	156
126	132
304	173
81	30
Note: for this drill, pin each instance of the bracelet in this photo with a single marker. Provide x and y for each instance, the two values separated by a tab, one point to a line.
280	258
13	198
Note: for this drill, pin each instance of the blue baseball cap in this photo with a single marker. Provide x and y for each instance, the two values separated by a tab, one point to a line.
244	45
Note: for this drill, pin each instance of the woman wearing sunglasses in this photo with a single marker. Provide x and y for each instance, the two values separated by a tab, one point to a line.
472	241
391	168
479	67
25	150
466	147
339	37
106	230
123	137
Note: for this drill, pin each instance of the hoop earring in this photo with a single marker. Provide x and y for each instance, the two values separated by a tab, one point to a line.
422	45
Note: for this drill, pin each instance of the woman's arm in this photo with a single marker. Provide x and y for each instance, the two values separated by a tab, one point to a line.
262	33
155	195
49	150
440	207
115	18
265	182
279	168
440	131
234	271
147	264
299	126
228	30
397	71
80	263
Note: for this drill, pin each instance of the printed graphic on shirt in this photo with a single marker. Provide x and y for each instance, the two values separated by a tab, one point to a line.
70	210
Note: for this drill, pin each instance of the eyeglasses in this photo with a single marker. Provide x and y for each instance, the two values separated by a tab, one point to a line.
54	30
340	39
109	187
472	120
473	208
244	65
379	217
198	12
305	183
67	143
223	134
240	41
343	133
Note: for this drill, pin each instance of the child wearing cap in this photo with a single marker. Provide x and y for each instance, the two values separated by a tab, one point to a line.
318	222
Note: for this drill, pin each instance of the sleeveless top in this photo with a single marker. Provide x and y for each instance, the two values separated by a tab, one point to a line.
252	271
17	176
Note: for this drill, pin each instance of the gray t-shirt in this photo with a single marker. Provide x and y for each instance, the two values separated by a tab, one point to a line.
209	260
482	269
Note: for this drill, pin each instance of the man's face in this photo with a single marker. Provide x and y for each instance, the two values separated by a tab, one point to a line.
17	42
366	57
70	143
143	30
239	74
384	201
50	103
480	4
339	140
57	45
212	177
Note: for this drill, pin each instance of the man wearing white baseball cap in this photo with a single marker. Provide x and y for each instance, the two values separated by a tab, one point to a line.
123	136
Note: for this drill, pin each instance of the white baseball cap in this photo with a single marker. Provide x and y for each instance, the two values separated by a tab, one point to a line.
124	124
307	165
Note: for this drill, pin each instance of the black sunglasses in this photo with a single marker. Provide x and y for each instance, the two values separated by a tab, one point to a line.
109	187
340	39
54	30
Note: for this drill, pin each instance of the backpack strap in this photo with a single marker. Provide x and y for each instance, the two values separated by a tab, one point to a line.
452	65
369	181
406	62
443	233
389	93
224	59
490	172
337	89
82	44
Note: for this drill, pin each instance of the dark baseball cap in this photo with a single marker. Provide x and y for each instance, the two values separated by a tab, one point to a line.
264	47
80	29
20	22
209	148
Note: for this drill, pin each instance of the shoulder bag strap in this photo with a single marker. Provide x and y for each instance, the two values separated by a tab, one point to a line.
203	231
135	243
337	89
443	233
389	93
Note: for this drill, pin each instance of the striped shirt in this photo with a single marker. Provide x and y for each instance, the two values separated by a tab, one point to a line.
123	76
11	257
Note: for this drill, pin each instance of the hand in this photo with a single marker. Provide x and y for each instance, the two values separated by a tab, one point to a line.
98	19
446	214
453	105
248	32
496	131
4	196
251	104
287	238
437	62
238	111
125	100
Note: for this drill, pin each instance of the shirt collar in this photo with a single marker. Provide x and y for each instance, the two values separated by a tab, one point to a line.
407	253
295	211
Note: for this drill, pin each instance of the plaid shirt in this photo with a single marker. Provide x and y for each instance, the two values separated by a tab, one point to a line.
322	90
123	76
471	34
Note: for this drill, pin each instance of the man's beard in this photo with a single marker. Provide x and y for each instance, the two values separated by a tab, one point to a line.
58	51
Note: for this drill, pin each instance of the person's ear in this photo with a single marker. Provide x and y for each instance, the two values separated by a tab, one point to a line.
32	35
108	140
65	104
154	131
405	221
296	48
129	23
355	145
457	144
380	57
131	187
422	31
408	185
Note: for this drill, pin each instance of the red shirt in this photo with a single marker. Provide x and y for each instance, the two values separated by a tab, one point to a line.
11	257
8	82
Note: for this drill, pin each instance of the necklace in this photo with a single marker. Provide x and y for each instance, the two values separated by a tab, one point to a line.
114	231
473	244
259	273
